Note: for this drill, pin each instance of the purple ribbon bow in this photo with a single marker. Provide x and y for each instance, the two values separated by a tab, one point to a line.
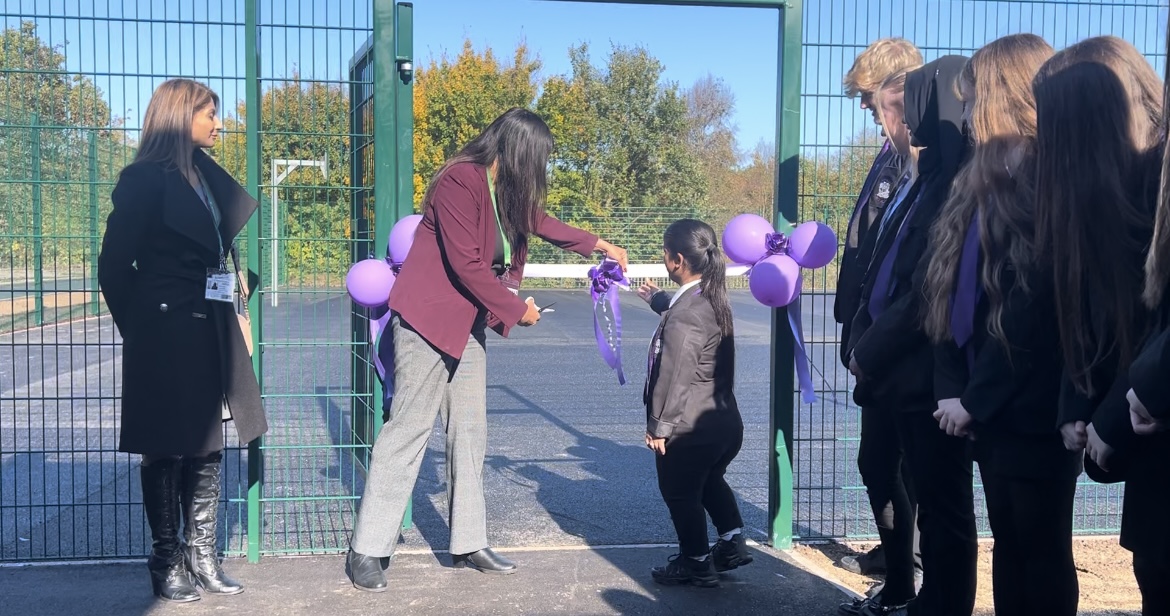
606	279
777	244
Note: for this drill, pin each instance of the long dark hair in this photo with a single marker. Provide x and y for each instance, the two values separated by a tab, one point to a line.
696	242
1099	108
521	143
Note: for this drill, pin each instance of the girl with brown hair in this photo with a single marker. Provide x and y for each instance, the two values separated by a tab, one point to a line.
997	349
1098	151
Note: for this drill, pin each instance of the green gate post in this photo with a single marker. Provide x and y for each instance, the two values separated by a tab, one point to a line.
255	261
385	158
96	295
38	226
404	133
780	486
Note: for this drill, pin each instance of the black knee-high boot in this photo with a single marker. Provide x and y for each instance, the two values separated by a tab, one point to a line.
200	510
161	489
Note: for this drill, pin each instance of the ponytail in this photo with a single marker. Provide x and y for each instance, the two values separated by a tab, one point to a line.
696	241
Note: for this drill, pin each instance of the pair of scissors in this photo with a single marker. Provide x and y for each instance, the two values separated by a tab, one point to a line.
547	308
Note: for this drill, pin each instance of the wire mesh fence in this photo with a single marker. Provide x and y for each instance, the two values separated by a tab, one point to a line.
299	126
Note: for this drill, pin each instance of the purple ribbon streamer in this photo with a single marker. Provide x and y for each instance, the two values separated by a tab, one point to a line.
803	374
777	244
606	279
382	342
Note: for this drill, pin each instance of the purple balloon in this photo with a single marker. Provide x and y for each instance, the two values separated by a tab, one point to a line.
813	245
744	238
775	281
369	282
402	236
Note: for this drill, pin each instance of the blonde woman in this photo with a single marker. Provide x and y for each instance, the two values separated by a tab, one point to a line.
185	364
997	353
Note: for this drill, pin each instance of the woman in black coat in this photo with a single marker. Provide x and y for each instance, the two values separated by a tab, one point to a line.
185	363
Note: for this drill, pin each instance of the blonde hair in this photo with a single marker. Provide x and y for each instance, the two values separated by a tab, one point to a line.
881	59
997	183
166	128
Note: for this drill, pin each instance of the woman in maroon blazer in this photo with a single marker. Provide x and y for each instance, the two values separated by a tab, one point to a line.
461	276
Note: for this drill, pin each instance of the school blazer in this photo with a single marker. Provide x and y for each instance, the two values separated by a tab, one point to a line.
692	373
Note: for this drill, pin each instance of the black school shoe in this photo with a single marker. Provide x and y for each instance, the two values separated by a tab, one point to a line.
730	555
681	570
868	606
872	562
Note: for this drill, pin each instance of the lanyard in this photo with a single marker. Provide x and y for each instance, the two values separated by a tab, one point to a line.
208	200
499	225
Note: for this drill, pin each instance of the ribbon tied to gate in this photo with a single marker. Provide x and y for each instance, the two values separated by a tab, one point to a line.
775	259
605	282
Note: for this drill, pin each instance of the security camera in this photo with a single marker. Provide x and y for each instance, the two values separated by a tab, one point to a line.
405	70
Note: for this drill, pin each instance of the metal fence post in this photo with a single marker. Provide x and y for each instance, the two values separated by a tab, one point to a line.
404	133
255	263
38	225
94	212
783	400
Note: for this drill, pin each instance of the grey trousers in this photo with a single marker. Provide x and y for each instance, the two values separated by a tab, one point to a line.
426	383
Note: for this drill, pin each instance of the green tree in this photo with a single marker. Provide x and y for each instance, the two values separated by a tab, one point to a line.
301	121
48	119
454	100
623	166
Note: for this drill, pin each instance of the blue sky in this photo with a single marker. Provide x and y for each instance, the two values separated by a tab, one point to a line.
129	56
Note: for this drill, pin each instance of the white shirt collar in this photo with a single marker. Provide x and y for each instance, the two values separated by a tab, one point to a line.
683	289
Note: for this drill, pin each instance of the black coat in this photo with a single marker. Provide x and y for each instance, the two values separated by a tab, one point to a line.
879	188
893	352
1012	394
183	355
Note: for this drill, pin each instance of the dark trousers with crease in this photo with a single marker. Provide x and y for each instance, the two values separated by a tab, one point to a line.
1032	561
943	475
691	479
886	475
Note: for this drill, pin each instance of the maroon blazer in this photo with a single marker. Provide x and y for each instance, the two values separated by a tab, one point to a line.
447	278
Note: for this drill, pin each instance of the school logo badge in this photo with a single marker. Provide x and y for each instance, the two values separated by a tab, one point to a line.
883	189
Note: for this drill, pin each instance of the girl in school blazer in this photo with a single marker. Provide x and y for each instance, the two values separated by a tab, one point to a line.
692	419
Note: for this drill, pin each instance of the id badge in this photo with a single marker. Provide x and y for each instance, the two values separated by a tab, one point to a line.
221	286
509	282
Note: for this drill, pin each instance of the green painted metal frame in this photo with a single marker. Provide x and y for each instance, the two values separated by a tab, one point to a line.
783	381
252	103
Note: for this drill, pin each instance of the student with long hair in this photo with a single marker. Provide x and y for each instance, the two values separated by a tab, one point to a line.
692	419
880	456
1098	149
894	362
1147	490
997	358
462	276
185	364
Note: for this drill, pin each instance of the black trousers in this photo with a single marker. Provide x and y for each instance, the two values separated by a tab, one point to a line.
690	477
943	474
1032	563
1153	577
886	475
